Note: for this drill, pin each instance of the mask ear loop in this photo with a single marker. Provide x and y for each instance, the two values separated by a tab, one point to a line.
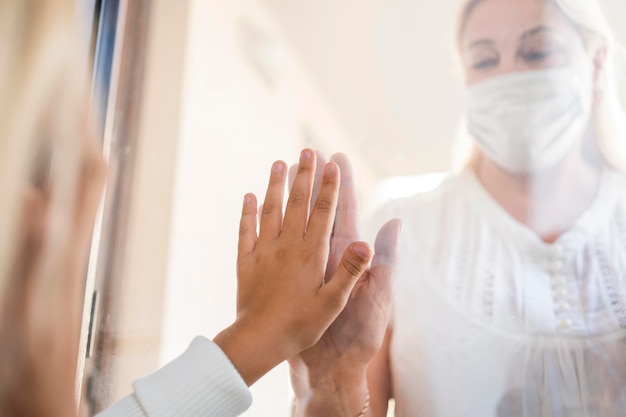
608	114
599	66
589	147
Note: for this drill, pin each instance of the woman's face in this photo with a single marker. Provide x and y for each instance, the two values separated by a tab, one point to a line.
506	36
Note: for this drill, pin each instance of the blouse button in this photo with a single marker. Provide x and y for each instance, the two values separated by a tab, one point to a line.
565	324
562	307
556	249
560	292
556	266
558	280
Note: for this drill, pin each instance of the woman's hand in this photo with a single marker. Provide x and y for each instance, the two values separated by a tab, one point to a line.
329	377
284	304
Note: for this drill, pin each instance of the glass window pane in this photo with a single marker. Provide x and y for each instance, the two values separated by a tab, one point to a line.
495	129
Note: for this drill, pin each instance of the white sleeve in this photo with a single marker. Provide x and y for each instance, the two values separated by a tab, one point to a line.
200	382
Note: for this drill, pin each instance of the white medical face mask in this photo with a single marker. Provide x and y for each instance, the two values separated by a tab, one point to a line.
528	121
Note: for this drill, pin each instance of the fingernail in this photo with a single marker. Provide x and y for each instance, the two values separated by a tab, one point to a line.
277	167
329	168
247	198
361	250
307	154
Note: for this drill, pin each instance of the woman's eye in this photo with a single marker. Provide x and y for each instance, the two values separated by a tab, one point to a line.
485	63
537	56
482	55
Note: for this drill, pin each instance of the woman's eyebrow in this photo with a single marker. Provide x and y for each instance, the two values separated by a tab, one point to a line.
535	31
480	42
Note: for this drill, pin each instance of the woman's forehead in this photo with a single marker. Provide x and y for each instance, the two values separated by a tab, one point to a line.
509	20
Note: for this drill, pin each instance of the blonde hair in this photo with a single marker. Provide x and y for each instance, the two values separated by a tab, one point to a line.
609	118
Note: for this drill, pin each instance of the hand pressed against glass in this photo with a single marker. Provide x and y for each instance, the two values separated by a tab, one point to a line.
329	377
287	295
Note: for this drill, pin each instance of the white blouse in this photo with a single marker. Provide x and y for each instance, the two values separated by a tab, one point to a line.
491	321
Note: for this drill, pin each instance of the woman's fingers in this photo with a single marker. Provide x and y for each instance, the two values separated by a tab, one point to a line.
313	190
353	264
293	170
324	207
385	257
346	220
247	226
297	211
355	260
320	162
272	213
386	244
319	174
